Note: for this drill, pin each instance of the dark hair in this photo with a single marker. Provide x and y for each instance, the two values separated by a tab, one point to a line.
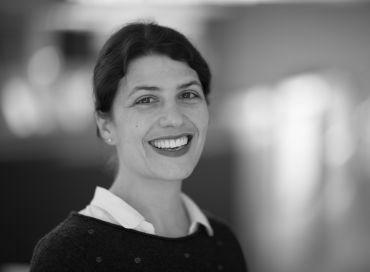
136	40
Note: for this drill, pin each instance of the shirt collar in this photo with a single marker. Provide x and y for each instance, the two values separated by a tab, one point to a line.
130	218
116	207
196	215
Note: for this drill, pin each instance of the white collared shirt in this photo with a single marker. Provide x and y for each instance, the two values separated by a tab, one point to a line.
108	207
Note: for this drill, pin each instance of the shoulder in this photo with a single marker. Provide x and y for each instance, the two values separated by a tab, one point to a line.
219	225
57	251
78	243
61	249
222	230
227	242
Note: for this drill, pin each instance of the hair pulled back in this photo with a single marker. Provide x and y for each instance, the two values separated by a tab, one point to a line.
135	40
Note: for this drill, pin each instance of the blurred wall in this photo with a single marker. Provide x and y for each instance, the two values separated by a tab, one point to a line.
264	43
257	48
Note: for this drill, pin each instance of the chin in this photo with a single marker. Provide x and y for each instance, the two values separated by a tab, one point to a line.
180	168
174	173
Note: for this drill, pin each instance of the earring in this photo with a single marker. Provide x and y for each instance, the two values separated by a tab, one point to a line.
109	140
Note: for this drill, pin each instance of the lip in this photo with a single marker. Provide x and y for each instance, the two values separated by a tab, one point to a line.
173	153
170	137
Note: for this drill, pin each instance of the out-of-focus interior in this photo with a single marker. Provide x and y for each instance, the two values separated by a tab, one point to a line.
286	160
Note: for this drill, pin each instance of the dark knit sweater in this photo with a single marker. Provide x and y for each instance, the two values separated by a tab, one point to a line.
81	243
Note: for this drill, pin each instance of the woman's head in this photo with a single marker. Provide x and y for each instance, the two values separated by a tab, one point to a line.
136	40
151	88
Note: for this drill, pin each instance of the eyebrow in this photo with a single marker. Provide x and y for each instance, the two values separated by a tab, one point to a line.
185	85
155	88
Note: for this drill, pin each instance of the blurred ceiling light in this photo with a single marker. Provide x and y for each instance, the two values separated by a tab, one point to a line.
20	108
30	110
257	116
74	105
304	95
301	104
44	66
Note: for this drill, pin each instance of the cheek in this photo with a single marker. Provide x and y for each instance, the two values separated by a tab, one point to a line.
129	130
201	118
136	128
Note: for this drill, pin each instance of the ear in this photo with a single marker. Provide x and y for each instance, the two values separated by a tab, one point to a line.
106	127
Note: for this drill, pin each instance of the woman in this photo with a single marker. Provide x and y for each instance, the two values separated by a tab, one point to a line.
151	87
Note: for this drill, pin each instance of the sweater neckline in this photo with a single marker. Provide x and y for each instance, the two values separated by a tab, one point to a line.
200	229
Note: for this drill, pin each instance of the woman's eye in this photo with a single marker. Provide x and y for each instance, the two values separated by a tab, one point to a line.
189	95
145	100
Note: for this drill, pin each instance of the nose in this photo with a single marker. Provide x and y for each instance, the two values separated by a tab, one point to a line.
171	117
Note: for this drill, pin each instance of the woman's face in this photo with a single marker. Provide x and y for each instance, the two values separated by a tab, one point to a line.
159	119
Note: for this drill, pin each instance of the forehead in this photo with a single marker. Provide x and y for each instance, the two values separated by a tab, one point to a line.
159	70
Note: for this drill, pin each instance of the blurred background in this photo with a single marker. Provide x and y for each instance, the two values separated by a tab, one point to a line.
287	158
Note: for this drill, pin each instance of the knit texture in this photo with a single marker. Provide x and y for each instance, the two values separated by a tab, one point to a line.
81	243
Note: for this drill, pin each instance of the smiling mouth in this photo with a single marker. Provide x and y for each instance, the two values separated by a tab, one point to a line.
172	143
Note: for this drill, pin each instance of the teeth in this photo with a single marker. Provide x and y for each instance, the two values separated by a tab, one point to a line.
170	143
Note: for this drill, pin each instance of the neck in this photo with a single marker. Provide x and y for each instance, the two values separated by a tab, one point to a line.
159	201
